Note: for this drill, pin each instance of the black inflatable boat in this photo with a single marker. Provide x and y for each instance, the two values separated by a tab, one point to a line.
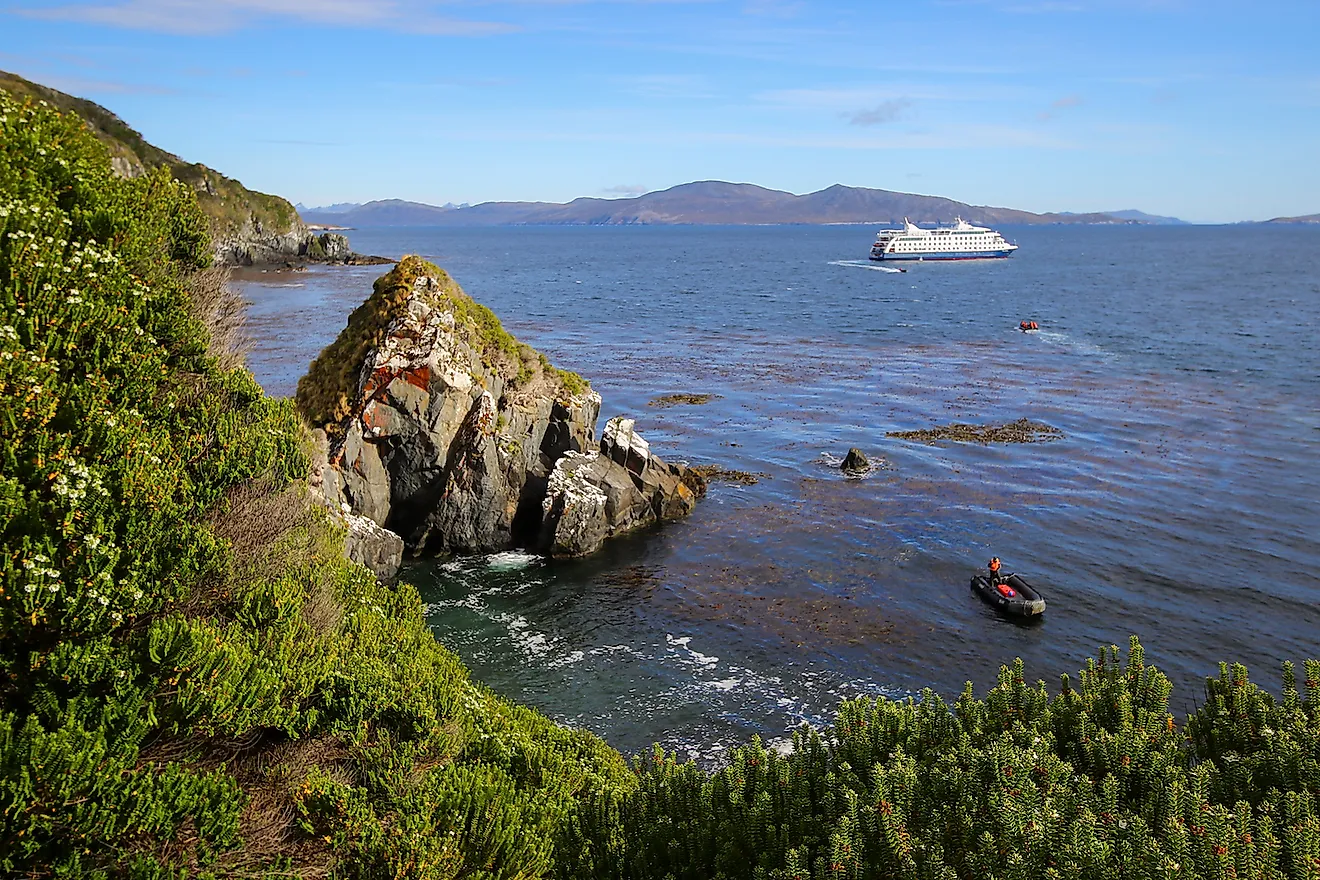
1018	597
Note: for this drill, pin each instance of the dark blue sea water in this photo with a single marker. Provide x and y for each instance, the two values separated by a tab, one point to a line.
1182	503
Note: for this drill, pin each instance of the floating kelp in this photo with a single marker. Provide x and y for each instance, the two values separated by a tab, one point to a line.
682	399
713	472
1021	431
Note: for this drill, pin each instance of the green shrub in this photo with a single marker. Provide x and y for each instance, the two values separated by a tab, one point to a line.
176	614
194	681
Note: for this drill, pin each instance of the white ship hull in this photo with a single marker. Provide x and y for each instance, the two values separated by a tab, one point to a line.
962	241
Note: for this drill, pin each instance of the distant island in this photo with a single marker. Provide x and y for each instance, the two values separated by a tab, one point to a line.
707	202
1308	218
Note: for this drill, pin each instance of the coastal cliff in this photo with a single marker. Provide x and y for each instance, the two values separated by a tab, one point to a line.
246	227
441	427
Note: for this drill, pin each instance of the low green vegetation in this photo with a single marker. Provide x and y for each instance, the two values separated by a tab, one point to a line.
195	682
325	393
227	204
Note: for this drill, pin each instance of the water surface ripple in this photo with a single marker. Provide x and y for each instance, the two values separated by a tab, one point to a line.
1180	504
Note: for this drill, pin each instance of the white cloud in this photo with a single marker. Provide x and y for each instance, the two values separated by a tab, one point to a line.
193	17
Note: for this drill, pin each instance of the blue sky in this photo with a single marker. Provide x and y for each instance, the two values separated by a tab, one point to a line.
1204	109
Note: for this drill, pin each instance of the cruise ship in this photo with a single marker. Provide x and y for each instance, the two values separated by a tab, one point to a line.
961	241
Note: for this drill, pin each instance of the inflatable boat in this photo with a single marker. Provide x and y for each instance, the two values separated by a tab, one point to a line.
1012	595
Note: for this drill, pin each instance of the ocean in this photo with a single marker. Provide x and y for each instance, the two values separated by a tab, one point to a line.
1181	502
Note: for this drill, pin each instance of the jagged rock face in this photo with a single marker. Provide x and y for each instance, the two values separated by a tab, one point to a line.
435	450
380	550
437	447
252	245
623	487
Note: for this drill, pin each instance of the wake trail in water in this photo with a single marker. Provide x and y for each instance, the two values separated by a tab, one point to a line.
865	264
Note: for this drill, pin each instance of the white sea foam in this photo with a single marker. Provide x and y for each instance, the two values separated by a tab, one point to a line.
510	560
534	644
865	264
572	658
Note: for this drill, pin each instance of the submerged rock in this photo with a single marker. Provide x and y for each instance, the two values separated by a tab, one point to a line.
445	429
855	462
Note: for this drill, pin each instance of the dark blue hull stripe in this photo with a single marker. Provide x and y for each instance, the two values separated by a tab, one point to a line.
946	255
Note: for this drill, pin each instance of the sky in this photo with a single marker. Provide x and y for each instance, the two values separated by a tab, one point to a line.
1203	109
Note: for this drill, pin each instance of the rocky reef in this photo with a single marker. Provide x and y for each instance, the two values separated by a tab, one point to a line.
441	427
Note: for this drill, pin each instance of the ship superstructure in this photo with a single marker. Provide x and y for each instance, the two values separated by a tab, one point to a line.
961	241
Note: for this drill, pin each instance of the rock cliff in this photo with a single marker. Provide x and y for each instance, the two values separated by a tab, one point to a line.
247	227
443	428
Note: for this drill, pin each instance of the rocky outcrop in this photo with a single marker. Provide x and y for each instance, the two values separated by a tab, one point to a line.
365	541
444	429
596	495
253	245
380	550
855	462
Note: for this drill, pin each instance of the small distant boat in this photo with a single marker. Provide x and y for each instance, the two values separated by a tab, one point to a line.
961	241
1028	326
1013	595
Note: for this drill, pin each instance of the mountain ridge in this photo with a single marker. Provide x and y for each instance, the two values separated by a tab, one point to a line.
1305	218
707	202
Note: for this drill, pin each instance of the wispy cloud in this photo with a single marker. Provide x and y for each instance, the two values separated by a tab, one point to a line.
199	17
887	111
774	8
624	189
668	85
296	143
1057	107
78	85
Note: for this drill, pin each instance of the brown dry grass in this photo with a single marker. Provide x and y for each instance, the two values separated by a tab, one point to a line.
257	513
215	303
269	773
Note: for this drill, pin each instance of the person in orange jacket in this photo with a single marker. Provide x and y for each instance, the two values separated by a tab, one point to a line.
995	576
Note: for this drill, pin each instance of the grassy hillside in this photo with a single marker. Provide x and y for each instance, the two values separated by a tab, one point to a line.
227	204
195	682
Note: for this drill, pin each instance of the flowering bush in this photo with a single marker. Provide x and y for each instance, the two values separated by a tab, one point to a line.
165	705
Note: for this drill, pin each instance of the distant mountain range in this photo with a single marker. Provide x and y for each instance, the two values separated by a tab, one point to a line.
707	201
1308	218
1134	216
